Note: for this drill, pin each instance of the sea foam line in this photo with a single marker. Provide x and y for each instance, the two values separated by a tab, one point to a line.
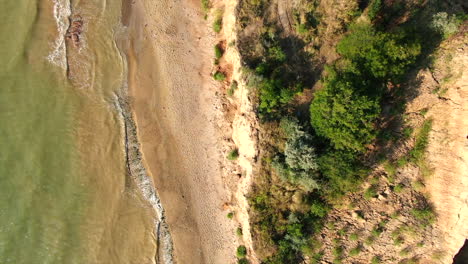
62	12
138	173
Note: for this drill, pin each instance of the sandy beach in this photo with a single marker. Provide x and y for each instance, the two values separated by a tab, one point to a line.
177	112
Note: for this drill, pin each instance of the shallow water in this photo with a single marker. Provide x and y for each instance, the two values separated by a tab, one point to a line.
65	195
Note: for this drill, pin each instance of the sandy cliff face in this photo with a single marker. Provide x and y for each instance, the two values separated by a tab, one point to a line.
448	148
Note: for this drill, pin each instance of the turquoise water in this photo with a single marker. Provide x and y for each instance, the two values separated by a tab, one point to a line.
63	196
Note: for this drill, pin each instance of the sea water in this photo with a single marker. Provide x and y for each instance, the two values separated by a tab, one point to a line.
65	192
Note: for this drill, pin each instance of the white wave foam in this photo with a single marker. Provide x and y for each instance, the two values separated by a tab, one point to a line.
62	12
138	172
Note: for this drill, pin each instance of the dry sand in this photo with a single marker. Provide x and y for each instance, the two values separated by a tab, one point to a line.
177	114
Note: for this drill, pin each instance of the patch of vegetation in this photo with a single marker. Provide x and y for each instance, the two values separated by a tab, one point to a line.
206	5
398	188
233	154
355	251
219	76
405	252
371	192
398	241
353	237
424	215
369	240
232	88
445	24
239	231
242	261
218	21
298	164
422	140
241	251
418	185
374	9
218	51
376	231
230	215
307	167
375	260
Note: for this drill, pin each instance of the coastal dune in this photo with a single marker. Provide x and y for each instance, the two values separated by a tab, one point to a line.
177	111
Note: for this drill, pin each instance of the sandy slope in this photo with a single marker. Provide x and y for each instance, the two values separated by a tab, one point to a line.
177	111
448	144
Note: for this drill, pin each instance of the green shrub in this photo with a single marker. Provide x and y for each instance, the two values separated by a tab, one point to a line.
398	241
390	168
338	251
374	9
319	208
425	215
239	231
233	154
242	261
342	232
407	132
342	171
232	88
299	164
219	76
398	188
218	23
353	237
205	5
241	251
405	252
218	51
377	231
444	24
343	115
369	240
355	251
422	140
418	185
377	54
375	260
371	192
230	215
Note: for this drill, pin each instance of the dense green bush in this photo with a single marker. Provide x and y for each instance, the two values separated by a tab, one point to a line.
343	173
374	8
218	51
345	109
241	251
376	54
233	154
243	261
219	76
273	94
343	114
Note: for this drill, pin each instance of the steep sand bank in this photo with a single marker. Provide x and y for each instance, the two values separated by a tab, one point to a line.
177	114
448	144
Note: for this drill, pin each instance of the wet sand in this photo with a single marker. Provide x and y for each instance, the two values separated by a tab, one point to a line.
176	111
